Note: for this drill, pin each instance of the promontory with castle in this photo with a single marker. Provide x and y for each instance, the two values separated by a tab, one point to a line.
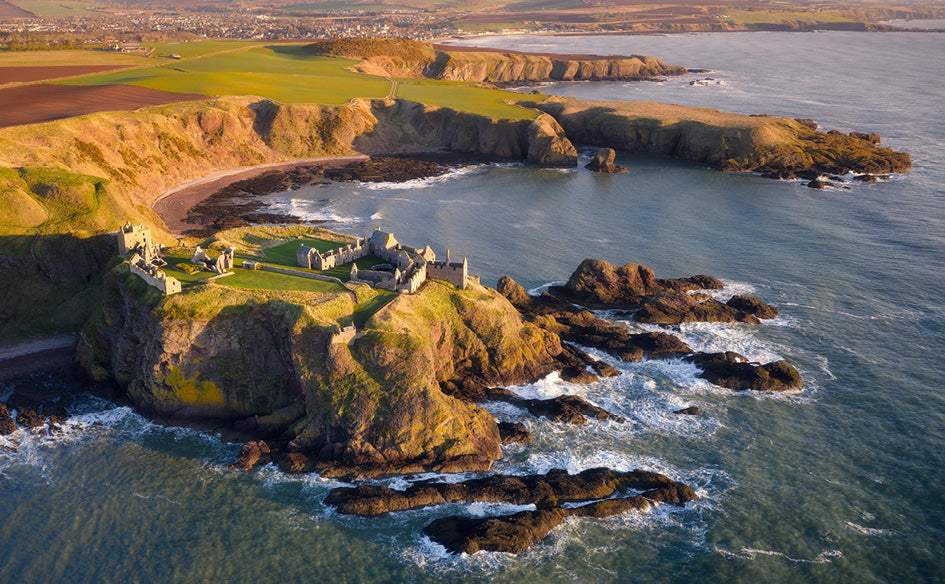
141	232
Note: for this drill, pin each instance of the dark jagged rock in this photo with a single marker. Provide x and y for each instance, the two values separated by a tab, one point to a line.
514	432
679	307
669	304
733	371
548	490
818	184
583	328
7	425
252	454
603	161
570	409
29	418
516	533
511	534
690	411
599	283
872	138
752	305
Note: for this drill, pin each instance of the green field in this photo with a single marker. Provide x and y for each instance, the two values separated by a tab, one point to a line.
283	73
459	96
779	17
285	254
198	48
69	57
290	74
56	8
259	280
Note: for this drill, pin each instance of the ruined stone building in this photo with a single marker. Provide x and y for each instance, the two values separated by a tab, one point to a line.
153	275
456	273
221	264
410	266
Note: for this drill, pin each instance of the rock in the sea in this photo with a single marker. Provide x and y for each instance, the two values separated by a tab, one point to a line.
29	418
752	305
600	283
511	534
7	425
514	432
603	161
733	371
548	145
552	489
570	409
690	411
516	533
818	184
252	454
679	307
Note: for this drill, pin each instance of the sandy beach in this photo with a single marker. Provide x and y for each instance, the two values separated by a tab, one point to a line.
173	204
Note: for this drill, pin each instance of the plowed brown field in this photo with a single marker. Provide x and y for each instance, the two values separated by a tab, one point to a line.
32	104
21	74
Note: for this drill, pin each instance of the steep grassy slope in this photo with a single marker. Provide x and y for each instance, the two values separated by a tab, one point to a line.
267	361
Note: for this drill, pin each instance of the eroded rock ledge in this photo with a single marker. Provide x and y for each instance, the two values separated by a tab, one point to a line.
605	286
516	533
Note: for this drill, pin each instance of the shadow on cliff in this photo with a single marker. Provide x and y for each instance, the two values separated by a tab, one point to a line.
50	283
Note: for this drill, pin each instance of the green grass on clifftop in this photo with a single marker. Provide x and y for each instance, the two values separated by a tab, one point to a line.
465	97
284	73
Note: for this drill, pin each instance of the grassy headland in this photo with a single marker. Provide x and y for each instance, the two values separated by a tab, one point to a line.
65	184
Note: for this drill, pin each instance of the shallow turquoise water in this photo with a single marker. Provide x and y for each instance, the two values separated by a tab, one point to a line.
842	481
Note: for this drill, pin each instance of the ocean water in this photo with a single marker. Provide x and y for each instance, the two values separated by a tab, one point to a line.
842	481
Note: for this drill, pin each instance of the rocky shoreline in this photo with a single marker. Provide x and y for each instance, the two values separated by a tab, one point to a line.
401	397
237	204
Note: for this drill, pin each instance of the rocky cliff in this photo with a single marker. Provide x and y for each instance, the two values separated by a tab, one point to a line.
404	58
723	140
267	362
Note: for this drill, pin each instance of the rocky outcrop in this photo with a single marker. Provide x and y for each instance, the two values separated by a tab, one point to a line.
552	489
662	302
678	307
753	306
599	283
735	372
603	161
570	409
516	533
581	327
405	58
767	144
263	361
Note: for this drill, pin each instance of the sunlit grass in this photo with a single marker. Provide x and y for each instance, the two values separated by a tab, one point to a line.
283	73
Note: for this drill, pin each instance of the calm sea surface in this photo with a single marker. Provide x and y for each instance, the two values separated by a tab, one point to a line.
844	481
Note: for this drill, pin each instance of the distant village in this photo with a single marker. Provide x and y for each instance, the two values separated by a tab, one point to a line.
405	270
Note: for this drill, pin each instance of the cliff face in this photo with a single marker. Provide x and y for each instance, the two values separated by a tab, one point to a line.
405	126
267	362
403	58
722	140
511	68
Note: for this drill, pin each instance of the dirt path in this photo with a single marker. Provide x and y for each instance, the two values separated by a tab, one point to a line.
173	204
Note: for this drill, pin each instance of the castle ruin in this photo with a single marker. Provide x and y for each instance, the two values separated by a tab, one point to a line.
221	264
408	266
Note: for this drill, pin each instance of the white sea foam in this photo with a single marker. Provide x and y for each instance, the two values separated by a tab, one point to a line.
747	553
423	183
308	210
870	531
538	290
